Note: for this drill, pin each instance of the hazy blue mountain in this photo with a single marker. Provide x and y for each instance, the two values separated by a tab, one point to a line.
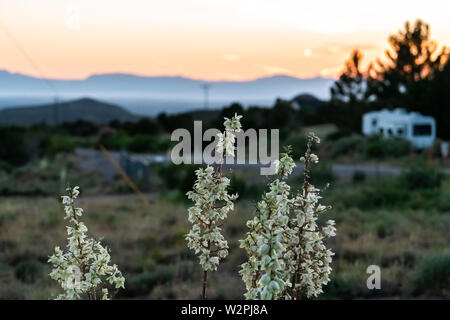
151	95
82	109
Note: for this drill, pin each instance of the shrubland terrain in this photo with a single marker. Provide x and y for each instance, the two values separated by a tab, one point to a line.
400	223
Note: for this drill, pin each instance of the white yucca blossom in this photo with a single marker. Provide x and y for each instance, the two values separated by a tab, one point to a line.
265	274
212	203
287	256
307	258
227	139
84	269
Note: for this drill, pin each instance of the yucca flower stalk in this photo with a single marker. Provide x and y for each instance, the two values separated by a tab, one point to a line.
307	258
264	274
287	256
212	204
84	270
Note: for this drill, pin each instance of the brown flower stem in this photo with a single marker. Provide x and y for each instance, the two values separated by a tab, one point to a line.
205	282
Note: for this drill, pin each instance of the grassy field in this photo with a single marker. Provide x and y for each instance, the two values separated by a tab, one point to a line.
406	234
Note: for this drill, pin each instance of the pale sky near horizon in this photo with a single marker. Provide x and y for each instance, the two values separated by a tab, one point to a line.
207	39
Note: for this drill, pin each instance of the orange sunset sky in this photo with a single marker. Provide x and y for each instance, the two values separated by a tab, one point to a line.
207	39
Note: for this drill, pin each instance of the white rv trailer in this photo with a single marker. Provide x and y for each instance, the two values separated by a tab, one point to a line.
418	129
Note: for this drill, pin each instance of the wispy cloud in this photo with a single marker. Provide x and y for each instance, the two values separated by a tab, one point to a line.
231	57
336	48
275	69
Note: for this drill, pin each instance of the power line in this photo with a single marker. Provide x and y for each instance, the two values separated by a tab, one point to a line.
28	57
16	42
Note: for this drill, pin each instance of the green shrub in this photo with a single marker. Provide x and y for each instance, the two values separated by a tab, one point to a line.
374	147
358	176
341	287
28	271
57	143
238	185
337	134
181	177
377	147
321	175
374	194
421	177
120	140
397	147
444	201
5	167
13	149
148	144
297	145
348	145
146	281
433	273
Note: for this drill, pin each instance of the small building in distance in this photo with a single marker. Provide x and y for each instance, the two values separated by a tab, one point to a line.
418	129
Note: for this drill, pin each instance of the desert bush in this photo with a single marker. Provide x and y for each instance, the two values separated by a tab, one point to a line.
341	287
150	144
433	273
57	143
142	143
297	144
337	134
180	177
421	177
238	184
358	176
348	145
13	150
119	140
397	147
322	175
377	147
29	271
5	167
145	282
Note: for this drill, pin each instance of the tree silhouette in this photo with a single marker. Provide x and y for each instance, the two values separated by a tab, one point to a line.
438	103
413	57
350	86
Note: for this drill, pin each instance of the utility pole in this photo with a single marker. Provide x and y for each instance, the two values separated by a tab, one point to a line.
56	111
206	87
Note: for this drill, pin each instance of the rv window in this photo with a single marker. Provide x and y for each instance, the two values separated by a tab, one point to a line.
422	130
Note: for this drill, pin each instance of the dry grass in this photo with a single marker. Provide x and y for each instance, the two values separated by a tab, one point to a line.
148	245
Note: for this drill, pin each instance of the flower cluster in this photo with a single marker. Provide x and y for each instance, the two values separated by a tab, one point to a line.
227	139
308	259
287	255
284	166
83	270
212	203
265	272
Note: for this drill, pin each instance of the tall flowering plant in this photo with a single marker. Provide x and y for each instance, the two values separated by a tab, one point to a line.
307	258
264	274
287	256
212	203
84	269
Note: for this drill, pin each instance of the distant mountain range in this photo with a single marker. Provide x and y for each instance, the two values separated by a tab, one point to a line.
82	109
151	95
